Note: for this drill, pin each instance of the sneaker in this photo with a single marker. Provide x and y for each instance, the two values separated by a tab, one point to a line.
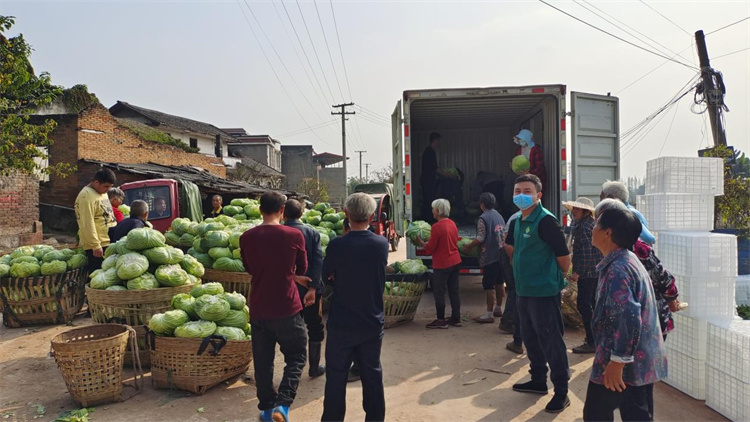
508	329
515	348
532	387
265	416
455	322
583	349
558	403
484	320
438	323
281	414
498	313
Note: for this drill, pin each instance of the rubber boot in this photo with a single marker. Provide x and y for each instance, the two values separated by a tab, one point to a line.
316	369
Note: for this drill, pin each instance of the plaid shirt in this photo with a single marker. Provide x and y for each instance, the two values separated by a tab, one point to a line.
585	255
536	163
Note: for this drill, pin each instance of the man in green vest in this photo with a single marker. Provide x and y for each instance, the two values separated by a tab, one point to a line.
536	246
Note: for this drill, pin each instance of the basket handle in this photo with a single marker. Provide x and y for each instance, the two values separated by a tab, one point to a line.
216	342
150	339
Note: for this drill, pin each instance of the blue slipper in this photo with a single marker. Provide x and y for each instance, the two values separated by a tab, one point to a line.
280	414
265	416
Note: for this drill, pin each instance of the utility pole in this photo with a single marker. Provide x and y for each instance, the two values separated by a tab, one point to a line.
343	113
360	163
714	96
367	171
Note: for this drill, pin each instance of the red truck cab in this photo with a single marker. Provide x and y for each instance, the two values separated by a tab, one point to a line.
162	197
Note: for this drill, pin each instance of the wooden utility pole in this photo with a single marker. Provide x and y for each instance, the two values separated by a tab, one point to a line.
343	113
360	163
714	96
367	172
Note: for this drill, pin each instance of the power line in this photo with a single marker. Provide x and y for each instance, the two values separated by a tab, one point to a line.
729	54
669	130
650	72
304	130
315	50
330	56
727	26
619	38
670	20
375	122
374	114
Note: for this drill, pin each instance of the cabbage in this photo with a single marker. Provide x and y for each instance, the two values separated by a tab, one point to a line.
186	240
216	253
193	279
520	164
216	239
164	255
25	269
166	323
25	258
119	248
412	266
110	262
5	259
324	239
342	216
230	333
195	329
124	209
472	252
234	240
241	202
339	225
236	254
231	210
331	218
77	261
41	250
226	220
4	270
102	279
171	275
116	287
419	229
207	289
252	212
314	220
185	302
233	319
321	207
240	217
236	300
54	267
211	227
180	226
326	224
314	213
145	281
198	245
144	238
23	251
172	239
193	228
192	266
204	259
131	265
212	307
229	264
54	256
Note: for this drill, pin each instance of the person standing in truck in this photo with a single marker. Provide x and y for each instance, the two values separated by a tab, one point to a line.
429	177
532	151
94	216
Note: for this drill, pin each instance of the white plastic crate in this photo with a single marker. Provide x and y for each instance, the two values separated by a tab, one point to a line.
742	290
729	348
727	395
686	374
681	211
689	336
695	254
708	296
685	175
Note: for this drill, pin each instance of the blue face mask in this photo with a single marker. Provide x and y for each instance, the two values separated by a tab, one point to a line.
523	201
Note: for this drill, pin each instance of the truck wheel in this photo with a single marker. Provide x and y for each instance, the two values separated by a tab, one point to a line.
394	244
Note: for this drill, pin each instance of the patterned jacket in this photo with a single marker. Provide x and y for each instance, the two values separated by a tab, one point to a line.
665	288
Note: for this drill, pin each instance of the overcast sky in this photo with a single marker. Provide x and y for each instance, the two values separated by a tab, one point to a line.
199	59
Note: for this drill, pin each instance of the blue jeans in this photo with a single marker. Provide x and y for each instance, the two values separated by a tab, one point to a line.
542	331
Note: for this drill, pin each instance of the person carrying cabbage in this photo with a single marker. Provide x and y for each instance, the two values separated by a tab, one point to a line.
532	152
313	315
116	196
94	216
356	319
274	255
137	220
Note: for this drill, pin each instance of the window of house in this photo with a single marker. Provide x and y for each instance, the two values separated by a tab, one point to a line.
193	143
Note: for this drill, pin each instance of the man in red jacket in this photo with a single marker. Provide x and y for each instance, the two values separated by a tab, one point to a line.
274	255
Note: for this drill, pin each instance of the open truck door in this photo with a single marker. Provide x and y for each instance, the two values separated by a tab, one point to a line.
595	138
398	196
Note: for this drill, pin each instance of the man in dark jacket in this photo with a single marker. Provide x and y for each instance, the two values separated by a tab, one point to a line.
137	220
313	315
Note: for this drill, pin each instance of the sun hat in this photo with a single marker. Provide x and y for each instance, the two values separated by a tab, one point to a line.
582	202
526	136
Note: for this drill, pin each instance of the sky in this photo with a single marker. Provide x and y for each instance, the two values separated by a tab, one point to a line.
276	68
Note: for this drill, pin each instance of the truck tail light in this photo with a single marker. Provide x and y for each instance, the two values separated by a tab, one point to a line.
408	188
562	123
406	159
406	131
538	90
564	185
564	154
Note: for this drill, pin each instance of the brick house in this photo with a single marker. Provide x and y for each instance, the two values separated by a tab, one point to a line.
261	148
19	211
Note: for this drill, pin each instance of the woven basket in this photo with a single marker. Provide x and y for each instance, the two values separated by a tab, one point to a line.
91	360
134	308
52	299
196	365
232	282
402	306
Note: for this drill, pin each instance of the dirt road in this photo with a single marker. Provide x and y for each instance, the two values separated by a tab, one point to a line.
434	375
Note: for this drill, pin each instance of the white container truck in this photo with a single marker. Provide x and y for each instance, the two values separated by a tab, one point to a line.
477	126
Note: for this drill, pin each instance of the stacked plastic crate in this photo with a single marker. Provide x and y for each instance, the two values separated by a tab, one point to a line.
679	206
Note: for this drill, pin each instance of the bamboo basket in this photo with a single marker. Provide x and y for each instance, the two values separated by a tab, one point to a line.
231	281
91	359
134	308
400	305
52	299
196	365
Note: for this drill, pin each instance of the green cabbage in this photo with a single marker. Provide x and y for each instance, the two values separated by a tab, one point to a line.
240	202
207	289
324	239
342	216
193	279
192	266
54	256
339	225
230	333
314	213
172	239
54	267
41	250
22	251
212	307
102	279
116	287
473	252
326	224
234	239
216	239
110	262
419	229
314	221
195	329
229	264
231	210
520	164
4	270
193	228
211	227
25	258
186	240
236	300
124	209
180	226
236	254
171	275
204	259
216	253
120	248
144	238
412	266
145	281
5	259
329	211
77	261
185	302
131	265
25	269
252	212
331	218
164	255
198	245
226	220
321	207
166	323
233	319
240	217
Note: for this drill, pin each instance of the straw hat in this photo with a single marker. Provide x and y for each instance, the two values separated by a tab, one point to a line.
582	202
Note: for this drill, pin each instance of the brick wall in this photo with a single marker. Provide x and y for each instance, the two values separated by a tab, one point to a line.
19	211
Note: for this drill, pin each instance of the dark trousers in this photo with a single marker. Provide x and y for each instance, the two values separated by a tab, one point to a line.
510	313
429	194
94	263
633	403
585	303
340	353
442	280
290	335
313	316
542	331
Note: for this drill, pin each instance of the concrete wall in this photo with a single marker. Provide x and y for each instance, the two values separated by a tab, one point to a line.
297	164
334	179
19	211
262	153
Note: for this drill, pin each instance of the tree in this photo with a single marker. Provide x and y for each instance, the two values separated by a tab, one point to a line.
23	146
732	210
352	185
383	175
316	190
255	173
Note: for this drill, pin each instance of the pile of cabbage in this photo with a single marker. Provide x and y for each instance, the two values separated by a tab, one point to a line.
419	229
409	266
402	288
206	311
326	221
141	261
40	260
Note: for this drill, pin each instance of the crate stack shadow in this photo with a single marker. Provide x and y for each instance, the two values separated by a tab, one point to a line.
709	349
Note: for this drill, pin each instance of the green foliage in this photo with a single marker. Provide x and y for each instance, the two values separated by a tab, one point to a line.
744	311
316	190
733	209
154	135
77	98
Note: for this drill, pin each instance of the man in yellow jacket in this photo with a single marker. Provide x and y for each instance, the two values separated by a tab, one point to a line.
95	216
